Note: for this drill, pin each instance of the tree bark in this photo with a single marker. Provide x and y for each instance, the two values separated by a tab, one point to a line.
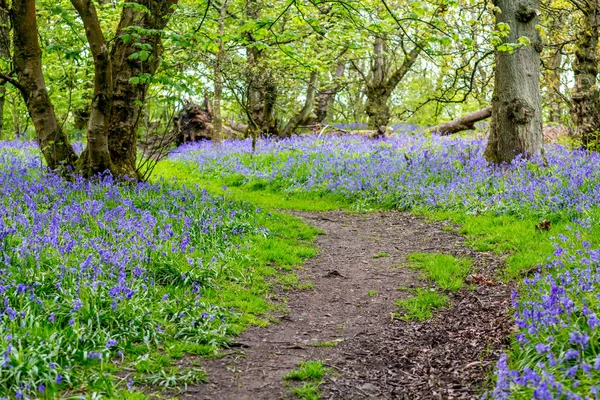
554	76
325	98
380	88
98	158
516	125
53	142
463	123
585	111
218	78
129	62
308	105
261	87
5	54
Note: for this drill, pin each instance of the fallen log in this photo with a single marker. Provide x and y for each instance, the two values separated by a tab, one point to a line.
463	123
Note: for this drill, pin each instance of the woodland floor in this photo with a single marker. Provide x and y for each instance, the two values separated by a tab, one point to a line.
449	356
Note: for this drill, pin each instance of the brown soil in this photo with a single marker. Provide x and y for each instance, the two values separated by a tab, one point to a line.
448	357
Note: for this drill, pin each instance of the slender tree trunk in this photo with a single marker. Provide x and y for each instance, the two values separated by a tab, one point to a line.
516	124
53	142
585	111
129	62
97	155
308	105
554	76
5	54
218	78
325	98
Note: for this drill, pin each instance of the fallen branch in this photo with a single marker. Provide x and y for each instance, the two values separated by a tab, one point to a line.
463	123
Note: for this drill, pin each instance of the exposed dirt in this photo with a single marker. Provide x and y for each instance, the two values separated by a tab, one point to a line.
357	277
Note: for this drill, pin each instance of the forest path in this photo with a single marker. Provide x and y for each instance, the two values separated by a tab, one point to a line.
356	278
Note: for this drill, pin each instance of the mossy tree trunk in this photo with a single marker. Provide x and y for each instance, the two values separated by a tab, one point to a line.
381	85
261	86
134	57
53	142
585	111
516	123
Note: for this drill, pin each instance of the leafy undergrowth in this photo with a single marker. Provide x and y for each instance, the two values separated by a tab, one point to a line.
311	374
105	284
543	213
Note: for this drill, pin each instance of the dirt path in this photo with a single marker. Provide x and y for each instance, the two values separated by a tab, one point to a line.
380	357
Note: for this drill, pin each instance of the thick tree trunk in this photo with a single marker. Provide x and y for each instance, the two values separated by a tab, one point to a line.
325	98
463	123
308	105
516	125
585	111
98	156
377	108
129	62
53	142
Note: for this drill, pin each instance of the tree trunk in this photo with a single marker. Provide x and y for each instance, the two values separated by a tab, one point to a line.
97	154
53	142
325	98
129	62
262	90
5	54
516	125
463	123
554	76
308	105
218	78
585	111
380	88
377	108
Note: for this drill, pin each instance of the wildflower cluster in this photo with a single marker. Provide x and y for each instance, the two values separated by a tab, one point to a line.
557	350
90	270
409	170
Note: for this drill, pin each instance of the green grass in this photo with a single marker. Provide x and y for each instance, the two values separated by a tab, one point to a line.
445	270
372	293
329	343
421	306
311	373
308	391
381	255
256	193
307	370
514	236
